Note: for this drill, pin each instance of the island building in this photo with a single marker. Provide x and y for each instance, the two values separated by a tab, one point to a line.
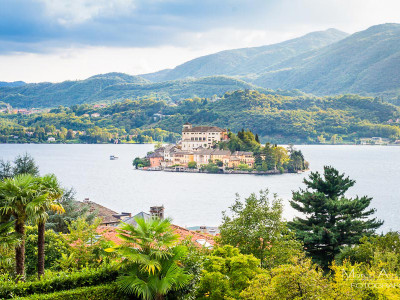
201	136
197	146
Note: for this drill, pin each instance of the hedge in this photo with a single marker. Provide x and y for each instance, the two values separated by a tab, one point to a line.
99	292
59	282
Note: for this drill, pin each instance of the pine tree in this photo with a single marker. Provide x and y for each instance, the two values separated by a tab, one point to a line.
257	138
331	220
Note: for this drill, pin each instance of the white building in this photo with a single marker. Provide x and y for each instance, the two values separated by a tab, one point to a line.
201	136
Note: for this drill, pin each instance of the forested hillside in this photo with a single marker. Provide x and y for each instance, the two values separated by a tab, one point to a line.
248	60
365	62
274	116
117	86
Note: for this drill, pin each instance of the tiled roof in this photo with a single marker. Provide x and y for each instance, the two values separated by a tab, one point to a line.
155	154
242	153
142	215
204	129
200	239
106	214
203	151
221	152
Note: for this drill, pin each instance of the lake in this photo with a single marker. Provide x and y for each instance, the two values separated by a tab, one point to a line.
198	199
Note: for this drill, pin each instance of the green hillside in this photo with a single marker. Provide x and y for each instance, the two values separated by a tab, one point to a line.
248	60
274	116
117	86
366	62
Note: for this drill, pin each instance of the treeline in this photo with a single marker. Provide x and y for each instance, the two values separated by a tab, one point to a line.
276	117
267	157
123	122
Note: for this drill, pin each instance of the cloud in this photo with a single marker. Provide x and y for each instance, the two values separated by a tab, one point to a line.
74	12
44	25
67	39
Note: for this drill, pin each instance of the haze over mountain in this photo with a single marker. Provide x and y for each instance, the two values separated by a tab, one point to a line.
248	60
12	84
367	62
117	86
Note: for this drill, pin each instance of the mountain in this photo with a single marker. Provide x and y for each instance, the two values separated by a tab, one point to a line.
48	94
367	62
118	86
248	60
12	84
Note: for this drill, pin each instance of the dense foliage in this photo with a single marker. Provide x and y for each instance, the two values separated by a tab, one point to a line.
116	86
274	116
60	282
256	256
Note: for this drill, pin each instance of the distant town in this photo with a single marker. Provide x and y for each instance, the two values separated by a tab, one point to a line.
213	149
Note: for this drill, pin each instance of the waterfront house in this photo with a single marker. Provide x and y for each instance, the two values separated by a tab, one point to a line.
182	158
155	159
245	157
221	155
202	156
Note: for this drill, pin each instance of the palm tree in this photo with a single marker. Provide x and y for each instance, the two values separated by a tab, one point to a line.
8	239
16	193
49	188
152	258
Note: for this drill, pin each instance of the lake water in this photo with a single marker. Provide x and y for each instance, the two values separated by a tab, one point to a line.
199	199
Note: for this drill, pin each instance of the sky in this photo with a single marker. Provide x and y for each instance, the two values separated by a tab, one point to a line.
57	40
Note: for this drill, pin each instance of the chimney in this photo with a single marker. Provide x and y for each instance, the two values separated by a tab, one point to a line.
157	211
203	229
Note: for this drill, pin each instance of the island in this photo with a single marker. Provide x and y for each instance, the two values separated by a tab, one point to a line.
212	149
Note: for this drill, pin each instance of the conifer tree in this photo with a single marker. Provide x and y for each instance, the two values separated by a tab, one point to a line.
331	220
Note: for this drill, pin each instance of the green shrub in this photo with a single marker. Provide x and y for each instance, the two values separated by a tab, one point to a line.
99	292
59	282
192	165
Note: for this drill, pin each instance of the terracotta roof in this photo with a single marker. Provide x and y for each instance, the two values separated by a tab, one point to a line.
155	154
242	153
203	129
200	239
102	212
221	152
204	151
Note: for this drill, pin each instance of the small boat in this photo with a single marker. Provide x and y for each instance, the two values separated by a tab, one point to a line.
113	157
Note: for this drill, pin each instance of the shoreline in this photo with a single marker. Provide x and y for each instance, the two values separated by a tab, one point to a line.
229	172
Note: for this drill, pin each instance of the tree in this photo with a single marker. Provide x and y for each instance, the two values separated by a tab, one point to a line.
152	259
25	164
257	227
86	245
300	280
16	194
51	191
55	248
73	210
226	273
5	169
8	240
192	165
331	220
